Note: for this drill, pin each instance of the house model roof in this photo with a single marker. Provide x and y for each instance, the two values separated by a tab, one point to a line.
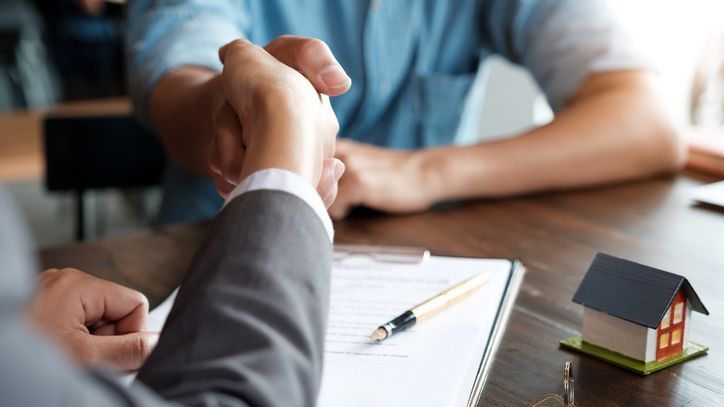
632	291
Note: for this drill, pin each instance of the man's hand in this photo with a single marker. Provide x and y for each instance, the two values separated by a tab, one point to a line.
378	178
286	123
97	321
310	58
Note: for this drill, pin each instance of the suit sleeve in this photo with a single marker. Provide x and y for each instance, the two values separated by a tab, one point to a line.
247	327
248	324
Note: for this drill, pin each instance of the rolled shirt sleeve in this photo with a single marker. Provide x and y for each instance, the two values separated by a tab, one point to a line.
163	35
562	42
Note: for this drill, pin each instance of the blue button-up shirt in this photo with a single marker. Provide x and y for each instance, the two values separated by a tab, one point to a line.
412	62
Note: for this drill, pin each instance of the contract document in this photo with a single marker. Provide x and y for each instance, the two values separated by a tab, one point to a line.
442	361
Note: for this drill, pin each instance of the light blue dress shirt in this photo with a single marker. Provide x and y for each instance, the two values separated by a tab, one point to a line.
412	62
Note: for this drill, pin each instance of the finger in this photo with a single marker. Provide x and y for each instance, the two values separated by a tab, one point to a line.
332	171
339	209
127	352
345	147
248	52
327	178
105	300
215	158
331	196
103	327
224	51
332	127
260	69
313	59
223	187
228	144
345	200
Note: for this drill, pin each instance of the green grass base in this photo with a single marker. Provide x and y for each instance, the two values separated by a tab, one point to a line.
637	366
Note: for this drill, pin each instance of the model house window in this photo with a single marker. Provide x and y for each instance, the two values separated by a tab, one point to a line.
678	312
676	336
665	321
664	341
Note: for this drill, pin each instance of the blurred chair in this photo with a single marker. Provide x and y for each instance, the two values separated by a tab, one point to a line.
90	153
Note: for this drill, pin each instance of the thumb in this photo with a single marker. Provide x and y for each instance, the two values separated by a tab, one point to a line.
313	59
126	352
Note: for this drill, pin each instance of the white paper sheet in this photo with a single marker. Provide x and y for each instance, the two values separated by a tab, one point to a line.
433	364
712	194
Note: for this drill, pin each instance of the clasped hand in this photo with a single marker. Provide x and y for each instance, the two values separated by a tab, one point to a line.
98	322
271	94
279	121
391	181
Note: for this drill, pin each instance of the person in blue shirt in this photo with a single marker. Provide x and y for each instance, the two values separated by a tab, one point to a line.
400	72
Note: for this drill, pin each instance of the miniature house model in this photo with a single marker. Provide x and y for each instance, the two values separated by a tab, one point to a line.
635	310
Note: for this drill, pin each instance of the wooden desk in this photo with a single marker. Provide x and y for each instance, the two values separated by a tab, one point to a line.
21	137
557	236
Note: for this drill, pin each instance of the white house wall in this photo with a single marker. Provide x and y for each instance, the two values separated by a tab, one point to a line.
651	345
687	321
616	334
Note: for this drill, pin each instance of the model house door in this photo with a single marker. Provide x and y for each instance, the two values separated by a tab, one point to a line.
670	334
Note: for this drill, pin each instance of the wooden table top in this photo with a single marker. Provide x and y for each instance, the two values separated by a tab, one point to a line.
556	235
21	148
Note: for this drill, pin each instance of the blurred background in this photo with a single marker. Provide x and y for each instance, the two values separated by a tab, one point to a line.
68	53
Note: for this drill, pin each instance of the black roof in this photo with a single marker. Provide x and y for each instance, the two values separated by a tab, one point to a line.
632	291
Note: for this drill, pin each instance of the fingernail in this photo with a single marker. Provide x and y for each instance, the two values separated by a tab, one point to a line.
338	170
334	77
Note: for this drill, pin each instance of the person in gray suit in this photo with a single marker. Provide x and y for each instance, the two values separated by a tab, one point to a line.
247	327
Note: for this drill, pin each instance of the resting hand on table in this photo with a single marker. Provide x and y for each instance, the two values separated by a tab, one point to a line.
298	67
98	322
379	178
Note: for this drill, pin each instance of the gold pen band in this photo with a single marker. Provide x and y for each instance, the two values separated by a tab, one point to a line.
430	307
449	297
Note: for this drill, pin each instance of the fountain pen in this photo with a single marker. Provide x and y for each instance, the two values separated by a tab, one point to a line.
429	307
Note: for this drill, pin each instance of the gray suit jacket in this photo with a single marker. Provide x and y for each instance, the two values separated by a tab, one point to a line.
247	328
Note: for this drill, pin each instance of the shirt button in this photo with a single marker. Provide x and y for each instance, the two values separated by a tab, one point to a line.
376	5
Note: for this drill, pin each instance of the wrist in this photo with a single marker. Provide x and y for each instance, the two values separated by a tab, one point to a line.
179	106
286	137
430	166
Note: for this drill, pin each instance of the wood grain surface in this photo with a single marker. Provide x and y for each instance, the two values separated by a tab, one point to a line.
556	235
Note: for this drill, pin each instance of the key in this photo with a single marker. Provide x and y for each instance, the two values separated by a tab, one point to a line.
549	400
556	400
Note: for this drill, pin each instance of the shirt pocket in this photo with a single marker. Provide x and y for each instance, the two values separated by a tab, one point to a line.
438	106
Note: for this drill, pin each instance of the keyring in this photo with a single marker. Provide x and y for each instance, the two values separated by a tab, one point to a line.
568	393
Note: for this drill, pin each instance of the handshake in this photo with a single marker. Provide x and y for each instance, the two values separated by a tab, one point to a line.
267	114
271	110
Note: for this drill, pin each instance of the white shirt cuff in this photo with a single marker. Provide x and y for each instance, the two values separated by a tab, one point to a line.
287	181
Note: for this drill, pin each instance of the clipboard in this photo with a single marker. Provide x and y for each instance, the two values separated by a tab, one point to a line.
390	256
408	259
507	303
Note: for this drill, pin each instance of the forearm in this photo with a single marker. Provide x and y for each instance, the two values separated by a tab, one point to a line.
248	324
614	129
180	110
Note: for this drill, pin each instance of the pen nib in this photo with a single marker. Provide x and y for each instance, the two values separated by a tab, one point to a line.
379	334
